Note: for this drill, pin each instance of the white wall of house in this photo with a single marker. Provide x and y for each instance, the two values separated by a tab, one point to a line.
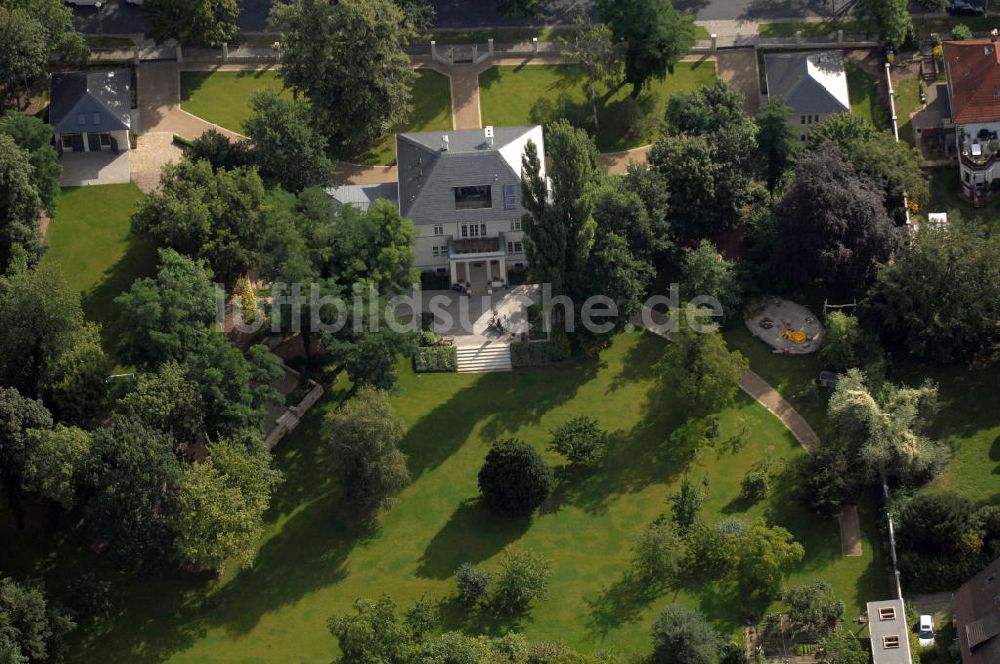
803	123
970	177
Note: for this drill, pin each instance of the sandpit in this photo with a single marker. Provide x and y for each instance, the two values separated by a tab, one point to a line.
787	327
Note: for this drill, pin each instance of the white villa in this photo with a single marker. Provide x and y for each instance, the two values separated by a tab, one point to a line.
462	189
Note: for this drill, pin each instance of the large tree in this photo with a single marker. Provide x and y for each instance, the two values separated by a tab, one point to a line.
36	626
364	436
559	225
813	609
18	415
167	399
46	348
167	315
31	33
655	36
767	554
701	369
348	58
35	138
286	148
592	47
19	204
133	484
56	463
522	578
214	215
514	480
683	636
941	297
887	18
777	144
373	248
886	432
222	501
895	166
706	273
832	225
193	22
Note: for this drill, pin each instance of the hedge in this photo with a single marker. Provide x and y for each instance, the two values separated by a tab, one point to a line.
435	359
534	354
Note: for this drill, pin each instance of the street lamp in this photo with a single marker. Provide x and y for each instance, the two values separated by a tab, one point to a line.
100	17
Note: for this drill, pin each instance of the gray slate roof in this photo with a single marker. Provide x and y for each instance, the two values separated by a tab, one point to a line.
106	93
424	166
804	89
362	196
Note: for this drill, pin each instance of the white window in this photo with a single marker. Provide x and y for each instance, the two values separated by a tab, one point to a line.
890	642
473	230
515	224
438	229
515	248
509	197
887	613
803	119
435	251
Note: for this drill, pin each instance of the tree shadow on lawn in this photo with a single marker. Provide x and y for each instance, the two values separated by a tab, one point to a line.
140	260
504	401
473	534
623	602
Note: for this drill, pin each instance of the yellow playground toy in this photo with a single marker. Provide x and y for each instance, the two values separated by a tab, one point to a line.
795	336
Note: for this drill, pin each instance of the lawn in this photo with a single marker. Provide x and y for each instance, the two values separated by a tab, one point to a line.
969	422
907	99
946	197
808	28
863	91
315	558
223	98
519	95
89	239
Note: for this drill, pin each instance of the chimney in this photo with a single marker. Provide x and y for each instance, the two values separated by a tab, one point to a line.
489	135
444	143
994	33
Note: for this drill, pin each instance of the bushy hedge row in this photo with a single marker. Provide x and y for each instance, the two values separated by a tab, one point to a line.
435	359
524	354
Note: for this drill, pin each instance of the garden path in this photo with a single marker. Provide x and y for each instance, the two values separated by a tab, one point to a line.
777	405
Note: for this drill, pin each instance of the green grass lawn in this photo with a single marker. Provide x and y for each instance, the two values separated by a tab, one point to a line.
808	28
946	196
511	95
863	91
315	559
89	239
223	98
907	99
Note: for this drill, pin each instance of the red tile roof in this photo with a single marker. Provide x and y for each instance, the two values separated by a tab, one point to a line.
973	79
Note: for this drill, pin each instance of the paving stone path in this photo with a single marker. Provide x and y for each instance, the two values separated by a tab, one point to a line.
759	389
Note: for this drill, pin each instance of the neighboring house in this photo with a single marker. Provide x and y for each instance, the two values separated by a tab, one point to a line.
973	68
890	638
91	111
977	617
814	85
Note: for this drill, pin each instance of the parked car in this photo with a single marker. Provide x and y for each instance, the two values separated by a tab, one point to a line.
967	8
925	633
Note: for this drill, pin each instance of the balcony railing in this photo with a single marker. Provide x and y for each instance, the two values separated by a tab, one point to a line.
980	151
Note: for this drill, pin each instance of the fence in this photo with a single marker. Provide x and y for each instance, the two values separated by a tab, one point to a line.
290	419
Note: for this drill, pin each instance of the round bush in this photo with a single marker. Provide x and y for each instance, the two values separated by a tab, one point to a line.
515	480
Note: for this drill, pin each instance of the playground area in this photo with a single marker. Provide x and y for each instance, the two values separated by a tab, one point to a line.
787	327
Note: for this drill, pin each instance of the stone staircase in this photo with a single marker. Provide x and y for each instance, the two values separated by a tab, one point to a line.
493	356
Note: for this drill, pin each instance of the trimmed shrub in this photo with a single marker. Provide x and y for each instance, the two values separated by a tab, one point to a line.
431	280
515	480
473	583
436	359
581	440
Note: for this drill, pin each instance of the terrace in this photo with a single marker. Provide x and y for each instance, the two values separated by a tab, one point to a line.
981	150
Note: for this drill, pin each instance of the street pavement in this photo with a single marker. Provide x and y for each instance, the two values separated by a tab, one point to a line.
117	17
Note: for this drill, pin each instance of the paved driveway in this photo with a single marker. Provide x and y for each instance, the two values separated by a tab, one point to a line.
152	152
83	168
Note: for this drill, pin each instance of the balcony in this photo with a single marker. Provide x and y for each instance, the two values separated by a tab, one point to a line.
981	151
477	247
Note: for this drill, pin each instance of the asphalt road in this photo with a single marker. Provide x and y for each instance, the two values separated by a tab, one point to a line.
120	18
